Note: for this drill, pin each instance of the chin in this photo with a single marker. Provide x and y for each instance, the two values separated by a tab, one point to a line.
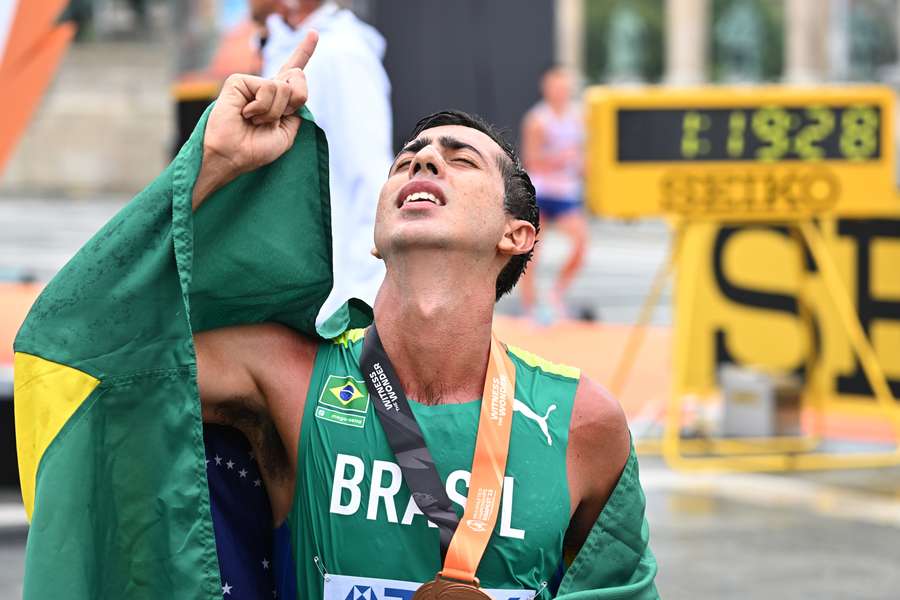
422	243
413	235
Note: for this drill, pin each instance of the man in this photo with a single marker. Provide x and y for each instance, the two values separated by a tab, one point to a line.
552	137
455	226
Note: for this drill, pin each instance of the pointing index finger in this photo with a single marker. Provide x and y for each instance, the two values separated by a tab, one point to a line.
303	52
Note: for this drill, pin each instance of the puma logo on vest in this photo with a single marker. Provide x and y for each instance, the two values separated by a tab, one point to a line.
525	410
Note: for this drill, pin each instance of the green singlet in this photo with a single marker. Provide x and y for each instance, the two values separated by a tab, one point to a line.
357	533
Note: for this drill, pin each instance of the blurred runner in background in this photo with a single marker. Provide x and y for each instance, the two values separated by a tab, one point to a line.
350	99
552	139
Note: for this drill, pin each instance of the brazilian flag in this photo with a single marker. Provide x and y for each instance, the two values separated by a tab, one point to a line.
108	420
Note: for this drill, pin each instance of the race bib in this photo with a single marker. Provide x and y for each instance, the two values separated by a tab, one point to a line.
346	587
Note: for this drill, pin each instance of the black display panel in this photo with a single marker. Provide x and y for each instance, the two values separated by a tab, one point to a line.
767	134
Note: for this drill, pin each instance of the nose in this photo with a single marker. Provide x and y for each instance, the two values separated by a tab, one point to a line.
429	160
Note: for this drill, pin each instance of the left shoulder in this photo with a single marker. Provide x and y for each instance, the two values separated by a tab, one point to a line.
599	447
599	412
599	440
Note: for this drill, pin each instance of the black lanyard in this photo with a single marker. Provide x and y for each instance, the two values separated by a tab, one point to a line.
405	438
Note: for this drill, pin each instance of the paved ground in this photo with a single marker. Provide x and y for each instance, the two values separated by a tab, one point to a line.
829	536
12	562
12	545
775	537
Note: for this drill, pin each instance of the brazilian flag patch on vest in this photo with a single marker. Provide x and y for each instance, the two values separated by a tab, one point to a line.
344	400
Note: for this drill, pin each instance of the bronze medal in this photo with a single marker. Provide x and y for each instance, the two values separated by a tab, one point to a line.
447	589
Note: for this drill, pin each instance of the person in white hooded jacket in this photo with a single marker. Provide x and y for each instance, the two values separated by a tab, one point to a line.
350	100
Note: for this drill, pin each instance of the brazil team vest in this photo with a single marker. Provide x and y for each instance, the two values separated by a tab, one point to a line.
358	534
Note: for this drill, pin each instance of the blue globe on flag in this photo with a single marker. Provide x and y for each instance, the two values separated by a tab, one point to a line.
347	393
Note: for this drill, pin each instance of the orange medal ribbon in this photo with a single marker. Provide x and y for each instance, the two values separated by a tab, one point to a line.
488	468
465	541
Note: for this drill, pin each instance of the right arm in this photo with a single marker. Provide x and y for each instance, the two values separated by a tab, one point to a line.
534	158
255	378
532	140
252	372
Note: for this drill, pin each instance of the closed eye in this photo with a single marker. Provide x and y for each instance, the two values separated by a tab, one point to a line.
402	165
465	161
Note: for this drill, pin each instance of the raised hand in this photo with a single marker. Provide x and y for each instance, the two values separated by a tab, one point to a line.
253	121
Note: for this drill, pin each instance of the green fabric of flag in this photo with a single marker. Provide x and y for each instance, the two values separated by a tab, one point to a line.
108	421
615	562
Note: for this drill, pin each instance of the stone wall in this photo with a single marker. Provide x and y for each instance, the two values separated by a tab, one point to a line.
105	124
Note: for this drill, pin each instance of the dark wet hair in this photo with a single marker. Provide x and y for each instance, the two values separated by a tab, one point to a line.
519	199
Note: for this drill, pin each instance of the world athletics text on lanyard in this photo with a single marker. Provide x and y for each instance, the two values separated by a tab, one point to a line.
462	547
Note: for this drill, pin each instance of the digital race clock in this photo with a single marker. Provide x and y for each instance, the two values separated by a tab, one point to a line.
740	153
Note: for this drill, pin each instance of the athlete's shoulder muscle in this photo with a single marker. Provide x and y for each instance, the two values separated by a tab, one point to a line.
599	446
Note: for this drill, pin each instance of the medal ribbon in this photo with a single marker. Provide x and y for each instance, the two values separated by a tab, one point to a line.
462	544
488	467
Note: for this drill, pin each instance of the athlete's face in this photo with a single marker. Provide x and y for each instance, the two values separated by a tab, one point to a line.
445	191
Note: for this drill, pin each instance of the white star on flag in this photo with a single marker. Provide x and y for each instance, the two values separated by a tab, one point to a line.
242	472
265	563
226	589
230	464
218	460
257	482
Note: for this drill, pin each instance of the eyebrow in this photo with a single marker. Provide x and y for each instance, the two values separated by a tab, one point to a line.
447	141
414	146
451	143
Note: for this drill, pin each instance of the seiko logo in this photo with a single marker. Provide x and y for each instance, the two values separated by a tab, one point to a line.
795	191
386	480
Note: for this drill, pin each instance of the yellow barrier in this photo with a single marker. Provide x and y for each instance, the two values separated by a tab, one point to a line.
703	336
783	201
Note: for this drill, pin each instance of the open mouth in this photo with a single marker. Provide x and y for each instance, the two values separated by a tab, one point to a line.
420	192
421	197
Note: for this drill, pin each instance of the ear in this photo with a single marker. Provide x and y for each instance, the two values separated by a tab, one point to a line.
518	238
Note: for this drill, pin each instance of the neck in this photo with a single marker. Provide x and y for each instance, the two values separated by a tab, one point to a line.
434	319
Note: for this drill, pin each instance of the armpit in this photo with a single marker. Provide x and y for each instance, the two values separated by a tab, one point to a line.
260	431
